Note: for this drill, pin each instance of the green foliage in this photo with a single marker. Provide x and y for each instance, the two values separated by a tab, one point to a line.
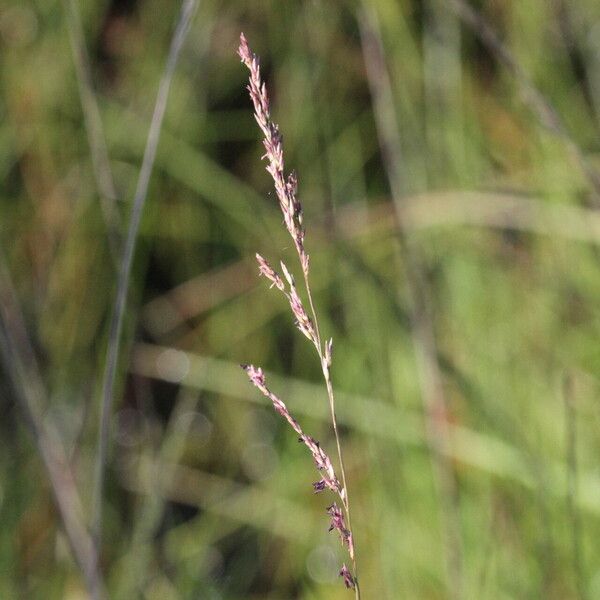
208	493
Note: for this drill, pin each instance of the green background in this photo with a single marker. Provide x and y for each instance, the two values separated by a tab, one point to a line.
208	492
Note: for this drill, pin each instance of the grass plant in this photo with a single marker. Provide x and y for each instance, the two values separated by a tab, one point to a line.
286	189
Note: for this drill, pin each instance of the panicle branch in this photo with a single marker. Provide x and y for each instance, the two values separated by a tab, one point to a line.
286	188
302	321
322	461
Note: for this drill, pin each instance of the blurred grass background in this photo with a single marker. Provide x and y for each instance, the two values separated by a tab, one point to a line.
208	493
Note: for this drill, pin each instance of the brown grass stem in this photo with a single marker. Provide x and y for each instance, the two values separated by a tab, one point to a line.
20	366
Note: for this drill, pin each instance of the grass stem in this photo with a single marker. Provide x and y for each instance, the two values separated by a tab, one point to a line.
116	324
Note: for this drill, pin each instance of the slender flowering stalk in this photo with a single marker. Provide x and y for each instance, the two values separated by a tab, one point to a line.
286	189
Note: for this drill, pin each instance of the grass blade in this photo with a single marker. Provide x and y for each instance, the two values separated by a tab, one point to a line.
116	324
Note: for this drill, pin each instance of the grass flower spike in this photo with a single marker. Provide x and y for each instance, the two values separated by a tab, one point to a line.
286	189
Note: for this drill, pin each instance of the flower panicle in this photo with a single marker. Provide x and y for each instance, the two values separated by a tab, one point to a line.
286	188
257	378
321	458
267	271
324	466
349	580
302	321
339	524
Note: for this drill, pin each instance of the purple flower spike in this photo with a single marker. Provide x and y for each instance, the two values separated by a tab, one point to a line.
303	321
255	374
286	188
338	522
337	518
349	581
323	463
322	460
257	377
272	275
319	486
286	191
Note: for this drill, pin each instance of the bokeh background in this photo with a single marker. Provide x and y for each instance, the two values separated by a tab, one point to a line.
449	177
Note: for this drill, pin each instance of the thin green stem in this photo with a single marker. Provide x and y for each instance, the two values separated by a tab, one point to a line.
346	498
325	368
118	313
